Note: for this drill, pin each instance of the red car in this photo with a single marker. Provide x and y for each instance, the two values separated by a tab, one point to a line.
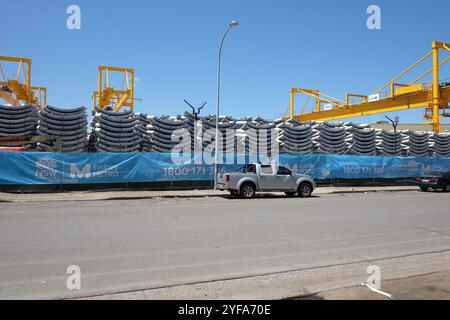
435	183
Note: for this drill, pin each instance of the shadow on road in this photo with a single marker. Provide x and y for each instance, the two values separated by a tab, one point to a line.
268	196
313	297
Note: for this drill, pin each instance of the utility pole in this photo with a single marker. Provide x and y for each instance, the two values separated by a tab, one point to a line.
395	125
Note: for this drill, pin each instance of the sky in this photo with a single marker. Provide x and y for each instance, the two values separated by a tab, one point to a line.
173	45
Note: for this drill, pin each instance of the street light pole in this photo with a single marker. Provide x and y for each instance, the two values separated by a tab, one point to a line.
233	24
395	125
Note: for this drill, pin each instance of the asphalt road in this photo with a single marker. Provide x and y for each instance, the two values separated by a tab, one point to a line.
142	244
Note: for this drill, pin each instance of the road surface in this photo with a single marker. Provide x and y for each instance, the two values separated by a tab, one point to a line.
132	245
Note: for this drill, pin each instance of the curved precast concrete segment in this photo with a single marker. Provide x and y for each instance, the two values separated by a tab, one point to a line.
28	133
362	141
64	111
19	110
295	138
62	117
18	121
160	130
296	132
124	144
390	143
352	125
164	133
115	132
417	144
391	136
68	125
128	123
119	138
116	129
101	133
17	129
441	144
331	138
163	145
258	126
159	134
161	138
61	132
295	143
114	115
111	131
168	123
259	136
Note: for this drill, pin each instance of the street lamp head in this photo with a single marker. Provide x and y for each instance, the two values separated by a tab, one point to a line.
234	24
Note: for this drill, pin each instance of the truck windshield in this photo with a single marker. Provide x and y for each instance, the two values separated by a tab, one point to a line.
283	171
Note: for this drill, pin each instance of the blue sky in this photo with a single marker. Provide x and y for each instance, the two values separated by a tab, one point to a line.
173	45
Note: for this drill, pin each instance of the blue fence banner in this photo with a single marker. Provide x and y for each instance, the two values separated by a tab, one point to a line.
33	168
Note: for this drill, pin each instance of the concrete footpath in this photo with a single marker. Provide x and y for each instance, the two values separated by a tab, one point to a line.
133	195
423	276
432	286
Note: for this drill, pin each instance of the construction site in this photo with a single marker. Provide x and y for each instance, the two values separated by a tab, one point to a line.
29	128
232	150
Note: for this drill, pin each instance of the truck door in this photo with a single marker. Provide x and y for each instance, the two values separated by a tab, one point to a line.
267	178
285	180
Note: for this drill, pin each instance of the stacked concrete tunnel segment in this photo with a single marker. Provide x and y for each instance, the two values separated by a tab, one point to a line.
129	132
18	121
115	132
69	125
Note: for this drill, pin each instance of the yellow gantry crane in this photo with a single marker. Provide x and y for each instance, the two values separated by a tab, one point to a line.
107	97
17	91
434	97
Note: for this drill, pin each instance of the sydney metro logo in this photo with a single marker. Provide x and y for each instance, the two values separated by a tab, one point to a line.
76	173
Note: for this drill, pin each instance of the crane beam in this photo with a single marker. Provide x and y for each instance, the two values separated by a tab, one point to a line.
434	97
397	103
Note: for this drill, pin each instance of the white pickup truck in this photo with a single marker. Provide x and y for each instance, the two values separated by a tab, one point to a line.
249	179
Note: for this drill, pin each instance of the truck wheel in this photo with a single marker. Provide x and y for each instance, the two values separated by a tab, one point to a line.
234	193
290	194
447	187
424	189
305	190
247	191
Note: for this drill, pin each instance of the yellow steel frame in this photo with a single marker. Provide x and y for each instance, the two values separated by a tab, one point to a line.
409	96
106	96
350	95
41	95
20	92
317	95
